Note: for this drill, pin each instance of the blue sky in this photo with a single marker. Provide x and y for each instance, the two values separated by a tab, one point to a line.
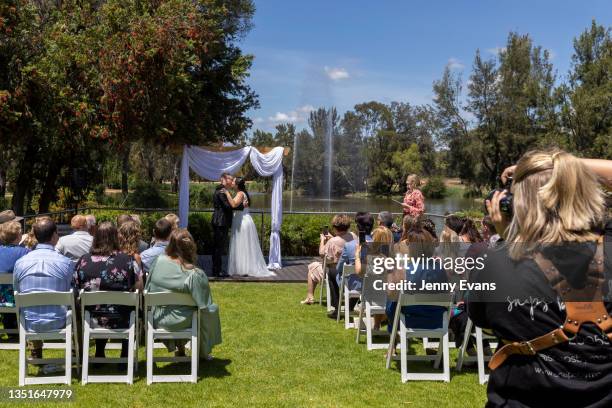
313	53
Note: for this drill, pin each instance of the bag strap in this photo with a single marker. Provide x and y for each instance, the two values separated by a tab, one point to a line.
578	310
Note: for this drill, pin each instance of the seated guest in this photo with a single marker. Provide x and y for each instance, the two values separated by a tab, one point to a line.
79	242
91	224
420	244
330	247
381	246
108	269
408	222
173	219
10	252
123	218
161	233
142	245
129	238
365	223
9	215
176	271
43	270
429	226
489	233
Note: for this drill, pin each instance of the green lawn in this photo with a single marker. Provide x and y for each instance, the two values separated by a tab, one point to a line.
277	352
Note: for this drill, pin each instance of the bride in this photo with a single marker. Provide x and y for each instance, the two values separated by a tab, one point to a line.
245	256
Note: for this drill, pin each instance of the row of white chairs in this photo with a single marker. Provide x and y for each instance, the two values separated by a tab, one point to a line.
373	302
66	337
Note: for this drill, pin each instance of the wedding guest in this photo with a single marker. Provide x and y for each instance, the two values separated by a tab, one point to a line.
365	223
142	245
107	268
414	202
91	224
176	271
381	246
10	252
121	218
78	243
559	219
129	238
173	219
161	233
43	270
429	226
330	247
420	244
489	233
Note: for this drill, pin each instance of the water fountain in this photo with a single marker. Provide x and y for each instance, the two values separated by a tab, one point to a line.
294	158
329	145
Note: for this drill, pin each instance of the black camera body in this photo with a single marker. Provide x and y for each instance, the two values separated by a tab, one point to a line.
505	204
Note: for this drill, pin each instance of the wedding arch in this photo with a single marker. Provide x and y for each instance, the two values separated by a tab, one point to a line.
211	164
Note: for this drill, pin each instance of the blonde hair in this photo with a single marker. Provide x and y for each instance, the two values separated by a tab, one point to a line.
10	232
415	178
341	222
556	199
129	237
173	219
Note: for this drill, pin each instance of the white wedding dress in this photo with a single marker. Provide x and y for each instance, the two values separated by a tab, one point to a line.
245	256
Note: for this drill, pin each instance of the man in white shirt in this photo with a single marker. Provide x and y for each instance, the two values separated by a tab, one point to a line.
77	244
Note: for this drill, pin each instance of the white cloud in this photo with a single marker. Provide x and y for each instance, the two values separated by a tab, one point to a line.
496	50
454	63
295	116
336	74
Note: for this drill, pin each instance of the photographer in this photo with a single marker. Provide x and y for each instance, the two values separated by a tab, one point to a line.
555	231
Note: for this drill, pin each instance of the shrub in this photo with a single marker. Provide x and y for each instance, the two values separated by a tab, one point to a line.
147	195
435	187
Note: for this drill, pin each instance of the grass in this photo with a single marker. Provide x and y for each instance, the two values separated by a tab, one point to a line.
277	352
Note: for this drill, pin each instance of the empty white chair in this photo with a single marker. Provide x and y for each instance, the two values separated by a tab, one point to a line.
130	299
407	333
345	296
373	302
67	335
7	279
171	299
480	358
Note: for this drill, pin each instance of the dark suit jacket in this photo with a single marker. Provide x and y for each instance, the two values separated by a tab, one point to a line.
223	214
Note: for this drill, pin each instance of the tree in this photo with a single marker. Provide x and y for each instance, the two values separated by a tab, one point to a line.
587	97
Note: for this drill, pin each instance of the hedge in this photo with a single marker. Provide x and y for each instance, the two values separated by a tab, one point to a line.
299	232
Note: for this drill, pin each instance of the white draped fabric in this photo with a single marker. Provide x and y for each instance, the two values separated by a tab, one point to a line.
210	165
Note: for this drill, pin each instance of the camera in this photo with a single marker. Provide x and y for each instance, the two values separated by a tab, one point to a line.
505	204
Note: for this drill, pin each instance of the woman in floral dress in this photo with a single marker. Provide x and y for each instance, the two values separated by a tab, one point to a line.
107	269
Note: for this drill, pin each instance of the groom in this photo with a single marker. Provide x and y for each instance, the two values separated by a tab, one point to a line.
221	223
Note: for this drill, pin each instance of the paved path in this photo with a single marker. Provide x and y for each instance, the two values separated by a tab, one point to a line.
295	269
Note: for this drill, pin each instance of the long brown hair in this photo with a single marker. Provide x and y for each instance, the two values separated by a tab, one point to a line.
105	241
182	246
129	237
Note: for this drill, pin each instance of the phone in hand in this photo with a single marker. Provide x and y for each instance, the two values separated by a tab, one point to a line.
325	230
362	237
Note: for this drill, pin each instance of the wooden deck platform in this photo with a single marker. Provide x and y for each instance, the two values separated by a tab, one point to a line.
295	269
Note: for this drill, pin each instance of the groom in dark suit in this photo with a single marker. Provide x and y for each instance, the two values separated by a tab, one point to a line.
221	223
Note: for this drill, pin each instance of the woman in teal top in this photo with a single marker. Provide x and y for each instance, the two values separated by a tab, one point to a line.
176	272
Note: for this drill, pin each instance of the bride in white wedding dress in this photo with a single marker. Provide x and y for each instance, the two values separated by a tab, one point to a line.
245	256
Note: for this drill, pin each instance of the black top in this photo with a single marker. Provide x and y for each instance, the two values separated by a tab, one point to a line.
578	373
222	216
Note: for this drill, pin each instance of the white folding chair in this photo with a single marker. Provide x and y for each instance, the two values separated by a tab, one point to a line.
130	299
406	333
67	334
480	358
325	284
373	302
171	299
7	279
345	296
